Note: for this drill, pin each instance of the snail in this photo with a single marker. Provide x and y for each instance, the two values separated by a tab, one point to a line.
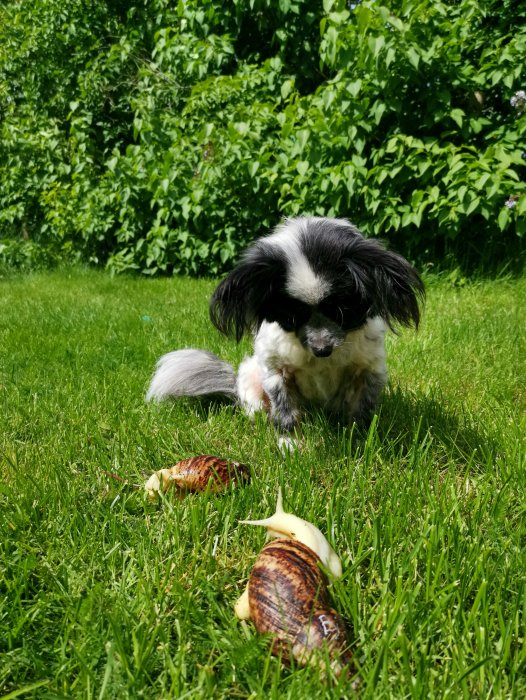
197	474
287	594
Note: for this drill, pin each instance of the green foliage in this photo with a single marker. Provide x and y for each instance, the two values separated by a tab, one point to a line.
163	137
425	92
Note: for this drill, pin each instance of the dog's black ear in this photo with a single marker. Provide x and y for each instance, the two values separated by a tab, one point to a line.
237	304
391	285
399	290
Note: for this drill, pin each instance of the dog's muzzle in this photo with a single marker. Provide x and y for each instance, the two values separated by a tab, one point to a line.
321	335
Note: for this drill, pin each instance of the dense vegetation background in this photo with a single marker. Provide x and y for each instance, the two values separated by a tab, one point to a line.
161	136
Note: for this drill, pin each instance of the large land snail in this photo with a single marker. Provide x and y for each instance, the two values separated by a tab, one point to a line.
197	474
287	594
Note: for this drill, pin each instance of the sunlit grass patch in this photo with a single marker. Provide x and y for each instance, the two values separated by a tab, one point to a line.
105	595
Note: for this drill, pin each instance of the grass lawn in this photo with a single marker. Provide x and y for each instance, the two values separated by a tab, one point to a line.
103	595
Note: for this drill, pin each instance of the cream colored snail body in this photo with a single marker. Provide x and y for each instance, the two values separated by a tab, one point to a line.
287	594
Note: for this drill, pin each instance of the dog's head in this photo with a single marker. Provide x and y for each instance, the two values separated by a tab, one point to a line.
318	278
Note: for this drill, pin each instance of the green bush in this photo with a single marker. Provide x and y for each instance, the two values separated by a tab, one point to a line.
163	137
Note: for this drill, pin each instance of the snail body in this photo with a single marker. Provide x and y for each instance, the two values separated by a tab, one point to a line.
289	526
197	474
287	594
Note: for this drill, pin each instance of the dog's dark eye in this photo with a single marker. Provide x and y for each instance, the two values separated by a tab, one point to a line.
348	316
290	314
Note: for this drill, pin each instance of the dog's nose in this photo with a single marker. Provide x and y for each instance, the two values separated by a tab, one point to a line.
322	351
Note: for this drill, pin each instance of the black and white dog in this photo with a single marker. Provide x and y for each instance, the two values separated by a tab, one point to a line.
318	298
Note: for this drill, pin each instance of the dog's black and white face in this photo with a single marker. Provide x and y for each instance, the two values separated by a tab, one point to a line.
319	279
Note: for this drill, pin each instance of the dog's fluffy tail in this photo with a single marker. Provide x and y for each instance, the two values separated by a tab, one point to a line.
191	373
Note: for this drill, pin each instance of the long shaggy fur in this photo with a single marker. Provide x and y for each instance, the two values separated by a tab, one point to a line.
318	298
191	373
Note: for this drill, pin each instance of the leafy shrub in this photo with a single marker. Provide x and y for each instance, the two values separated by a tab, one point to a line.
163	137
25	256
436	149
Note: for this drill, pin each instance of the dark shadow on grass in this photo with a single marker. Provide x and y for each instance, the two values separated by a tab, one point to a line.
407	419
205	406
404	419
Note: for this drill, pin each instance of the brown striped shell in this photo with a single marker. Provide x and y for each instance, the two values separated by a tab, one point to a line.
288	598
197	474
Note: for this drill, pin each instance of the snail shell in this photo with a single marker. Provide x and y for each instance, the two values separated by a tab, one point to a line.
287	593
288	598
197	474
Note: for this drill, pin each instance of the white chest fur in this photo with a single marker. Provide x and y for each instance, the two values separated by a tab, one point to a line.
319	379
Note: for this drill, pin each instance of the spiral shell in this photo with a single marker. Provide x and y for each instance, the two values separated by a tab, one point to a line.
287	594
288	598
197	474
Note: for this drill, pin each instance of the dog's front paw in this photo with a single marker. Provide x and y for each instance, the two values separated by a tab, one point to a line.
286	421
288	443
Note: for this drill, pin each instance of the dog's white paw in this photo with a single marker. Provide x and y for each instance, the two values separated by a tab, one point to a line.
287	443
